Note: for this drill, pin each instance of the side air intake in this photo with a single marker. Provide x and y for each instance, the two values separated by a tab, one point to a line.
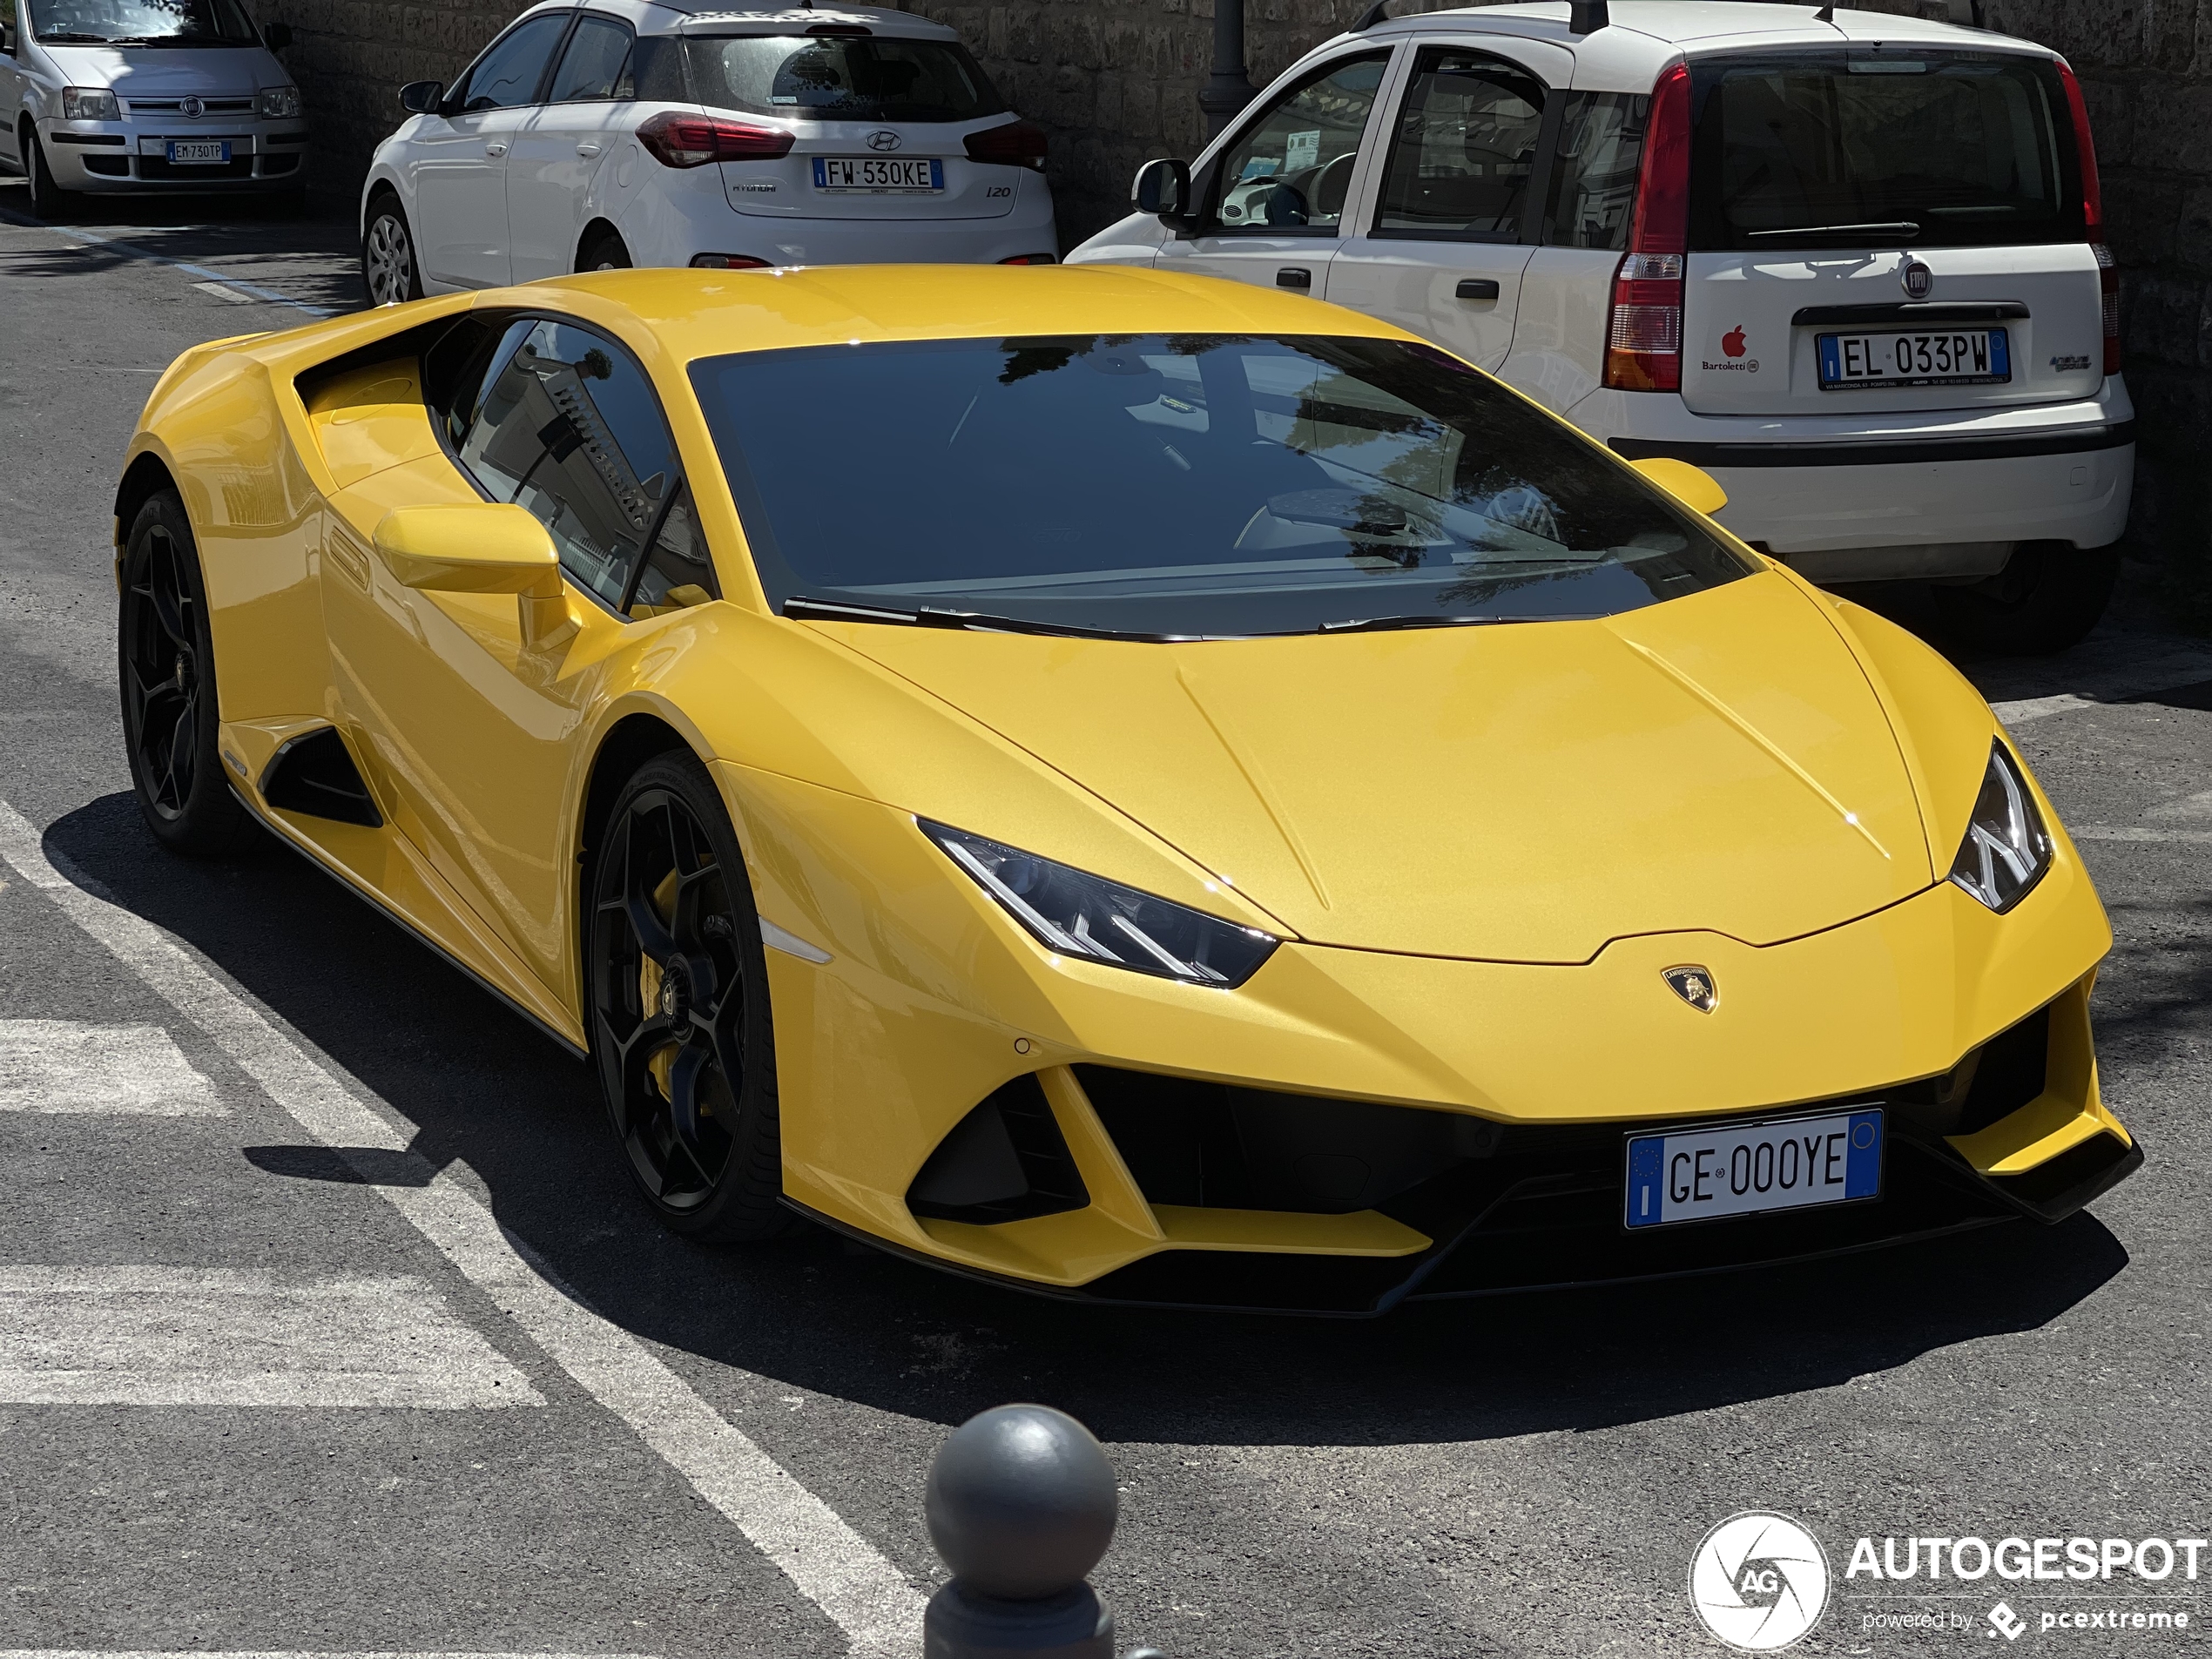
1005	1160
314	774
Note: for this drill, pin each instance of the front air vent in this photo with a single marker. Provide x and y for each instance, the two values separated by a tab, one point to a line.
1005	1160
314	774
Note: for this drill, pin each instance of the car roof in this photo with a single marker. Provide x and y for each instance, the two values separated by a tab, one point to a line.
709	314
1645	35
708	18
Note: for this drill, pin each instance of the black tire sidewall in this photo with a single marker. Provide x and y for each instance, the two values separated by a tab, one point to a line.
747	1201
212	823
2064	599
601	244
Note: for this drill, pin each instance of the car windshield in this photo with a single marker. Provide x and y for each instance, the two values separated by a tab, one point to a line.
841	78
141	23
1173	486
1883	148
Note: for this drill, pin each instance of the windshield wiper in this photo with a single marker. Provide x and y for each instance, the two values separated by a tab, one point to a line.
1900	228
1387	624
976	622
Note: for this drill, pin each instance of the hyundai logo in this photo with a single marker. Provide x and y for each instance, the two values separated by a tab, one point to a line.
1917	279
193	108
883	141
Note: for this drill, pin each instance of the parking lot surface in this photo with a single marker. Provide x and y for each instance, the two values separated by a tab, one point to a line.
328	1322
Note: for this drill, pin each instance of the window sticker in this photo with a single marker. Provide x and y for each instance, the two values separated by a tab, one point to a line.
1303	150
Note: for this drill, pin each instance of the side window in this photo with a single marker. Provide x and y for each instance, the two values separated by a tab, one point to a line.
509	72
677	570
596	65
1288	169
569	427
1463	151
454	366
1593	182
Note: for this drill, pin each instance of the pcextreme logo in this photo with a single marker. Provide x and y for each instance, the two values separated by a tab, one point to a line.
1759	1582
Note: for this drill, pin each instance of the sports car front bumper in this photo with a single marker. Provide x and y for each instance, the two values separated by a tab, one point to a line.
1353	1128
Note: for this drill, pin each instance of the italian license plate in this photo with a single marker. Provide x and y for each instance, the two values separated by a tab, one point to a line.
901	175
186	151
1951	357
1747	1169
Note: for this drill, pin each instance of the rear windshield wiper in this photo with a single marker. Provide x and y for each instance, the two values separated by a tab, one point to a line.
1901	227
968	621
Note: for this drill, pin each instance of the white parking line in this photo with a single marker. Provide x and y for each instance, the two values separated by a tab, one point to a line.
224	291
116	244
67	1066
189	1336
862	1592
2112	833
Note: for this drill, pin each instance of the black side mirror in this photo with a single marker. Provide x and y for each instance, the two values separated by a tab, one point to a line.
276	35
420	98
1163	187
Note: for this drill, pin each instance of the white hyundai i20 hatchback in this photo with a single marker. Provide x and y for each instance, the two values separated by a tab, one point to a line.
1850	264
617	132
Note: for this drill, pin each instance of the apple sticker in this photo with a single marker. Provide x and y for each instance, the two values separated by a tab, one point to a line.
1732	341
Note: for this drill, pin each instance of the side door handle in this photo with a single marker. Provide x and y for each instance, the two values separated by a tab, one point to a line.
1294	276
496	149
587	150
1477	288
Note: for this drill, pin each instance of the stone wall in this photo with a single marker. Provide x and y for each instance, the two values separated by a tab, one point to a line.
1113	82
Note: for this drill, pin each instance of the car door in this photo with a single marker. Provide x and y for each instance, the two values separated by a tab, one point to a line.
473	708
1450	229
1273	199
12	79
460	156
563	145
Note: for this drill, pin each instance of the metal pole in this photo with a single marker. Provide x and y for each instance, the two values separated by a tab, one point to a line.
1229	88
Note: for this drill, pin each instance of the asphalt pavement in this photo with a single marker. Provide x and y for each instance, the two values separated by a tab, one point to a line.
328	1322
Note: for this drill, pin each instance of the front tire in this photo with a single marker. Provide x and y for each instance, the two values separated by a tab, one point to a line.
48	199
679	994
390	273
2046	600
166	662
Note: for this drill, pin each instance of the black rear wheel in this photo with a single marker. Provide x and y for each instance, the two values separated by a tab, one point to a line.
605	252
166	664
679	1008
2046	600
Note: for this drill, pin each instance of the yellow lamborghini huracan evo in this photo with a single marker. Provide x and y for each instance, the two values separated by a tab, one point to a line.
1133	786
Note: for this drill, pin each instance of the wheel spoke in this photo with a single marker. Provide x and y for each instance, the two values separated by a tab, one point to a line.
685	1081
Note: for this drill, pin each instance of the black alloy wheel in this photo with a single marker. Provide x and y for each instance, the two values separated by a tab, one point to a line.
167	668
679	1008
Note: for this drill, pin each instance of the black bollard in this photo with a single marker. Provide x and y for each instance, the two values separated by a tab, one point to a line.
1021	1506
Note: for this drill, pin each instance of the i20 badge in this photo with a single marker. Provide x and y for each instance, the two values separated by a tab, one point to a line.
1694	985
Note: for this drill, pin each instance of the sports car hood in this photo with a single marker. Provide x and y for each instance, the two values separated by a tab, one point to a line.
1522	793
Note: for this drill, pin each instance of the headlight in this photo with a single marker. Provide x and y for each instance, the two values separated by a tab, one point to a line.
280	102
88	104
1103	921
2007	849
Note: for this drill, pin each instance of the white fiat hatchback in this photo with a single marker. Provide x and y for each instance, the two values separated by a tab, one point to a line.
617	132
1849	263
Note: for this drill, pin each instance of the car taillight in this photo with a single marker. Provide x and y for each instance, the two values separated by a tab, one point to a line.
1016	145
1643	330
1030	259
694	140
727	262
2093	216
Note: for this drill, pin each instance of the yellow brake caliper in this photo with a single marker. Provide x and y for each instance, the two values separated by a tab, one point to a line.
649	981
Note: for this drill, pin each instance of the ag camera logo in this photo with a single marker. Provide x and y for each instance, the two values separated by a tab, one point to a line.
1759	1582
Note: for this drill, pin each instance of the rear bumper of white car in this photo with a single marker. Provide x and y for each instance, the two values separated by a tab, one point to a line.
1973	481
672	225
97	156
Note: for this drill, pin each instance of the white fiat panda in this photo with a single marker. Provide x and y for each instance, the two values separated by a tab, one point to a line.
1849	263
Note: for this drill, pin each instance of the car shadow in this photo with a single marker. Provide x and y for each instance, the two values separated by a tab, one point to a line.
817	1311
